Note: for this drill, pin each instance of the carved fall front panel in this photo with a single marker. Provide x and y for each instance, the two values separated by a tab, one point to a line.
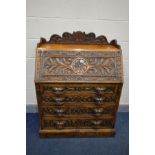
79	65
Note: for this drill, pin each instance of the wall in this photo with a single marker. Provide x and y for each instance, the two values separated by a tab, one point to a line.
45	17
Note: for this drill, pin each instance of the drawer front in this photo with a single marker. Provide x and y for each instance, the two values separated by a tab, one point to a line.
77	100
78	89
75	123
61	111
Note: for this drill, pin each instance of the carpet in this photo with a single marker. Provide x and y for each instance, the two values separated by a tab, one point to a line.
118	145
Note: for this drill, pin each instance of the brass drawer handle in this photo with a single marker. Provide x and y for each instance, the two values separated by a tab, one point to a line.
59	124
98	111
100	90
59	112
58	90
99	100
58	100
96	122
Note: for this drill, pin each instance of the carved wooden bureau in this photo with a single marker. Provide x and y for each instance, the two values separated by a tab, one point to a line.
78	79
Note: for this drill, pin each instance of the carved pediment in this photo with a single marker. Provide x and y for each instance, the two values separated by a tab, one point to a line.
78	38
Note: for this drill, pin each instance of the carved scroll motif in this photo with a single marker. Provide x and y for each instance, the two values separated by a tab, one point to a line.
78	38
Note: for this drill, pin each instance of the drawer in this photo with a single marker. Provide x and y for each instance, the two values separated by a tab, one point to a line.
77	99
72	89
62	111
76	123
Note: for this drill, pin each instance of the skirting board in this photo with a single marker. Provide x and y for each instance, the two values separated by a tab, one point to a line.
32	108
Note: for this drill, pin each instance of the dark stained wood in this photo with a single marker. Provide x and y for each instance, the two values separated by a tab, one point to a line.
78	79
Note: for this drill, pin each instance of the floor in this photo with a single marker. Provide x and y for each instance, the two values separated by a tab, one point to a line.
119	145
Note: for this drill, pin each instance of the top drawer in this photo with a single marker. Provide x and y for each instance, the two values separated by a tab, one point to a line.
71	89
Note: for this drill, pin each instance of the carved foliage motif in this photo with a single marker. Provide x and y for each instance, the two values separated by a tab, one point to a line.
93	66
78	63
79	38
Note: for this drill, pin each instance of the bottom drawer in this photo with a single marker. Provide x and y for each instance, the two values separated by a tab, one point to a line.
76	123
61	111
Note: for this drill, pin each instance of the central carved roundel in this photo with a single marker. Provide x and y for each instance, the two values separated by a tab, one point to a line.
79	66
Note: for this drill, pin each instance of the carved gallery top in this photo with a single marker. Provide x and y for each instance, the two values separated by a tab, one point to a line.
78	57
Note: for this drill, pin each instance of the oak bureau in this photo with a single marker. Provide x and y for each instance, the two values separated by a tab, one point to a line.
78	80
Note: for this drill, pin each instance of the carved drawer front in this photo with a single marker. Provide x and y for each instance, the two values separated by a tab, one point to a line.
76	123
72	89
61	111
96	100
